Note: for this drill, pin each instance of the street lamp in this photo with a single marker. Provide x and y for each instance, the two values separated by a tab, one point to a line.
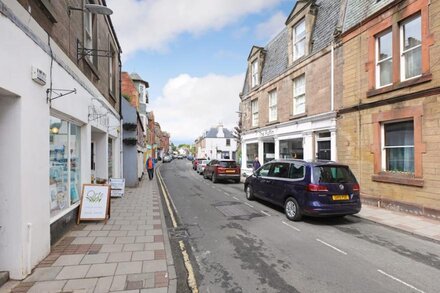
92	8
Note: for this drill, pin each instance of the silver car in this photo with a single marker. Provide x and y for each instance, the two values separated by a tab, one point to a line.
201	166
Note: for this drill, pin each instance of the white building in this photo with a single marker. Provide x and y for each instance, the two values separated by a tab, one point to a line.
217	143
59	122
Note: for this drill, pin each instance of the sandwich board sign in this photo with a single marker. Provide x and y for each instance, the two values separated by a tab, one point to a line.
117	187
95	203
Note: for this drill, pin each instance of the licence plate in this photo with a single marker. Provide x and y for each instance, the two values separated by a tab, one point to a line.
230	171
340	197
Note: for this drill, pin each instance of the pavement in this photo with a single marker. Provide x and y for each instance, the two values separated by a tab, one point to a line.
131	253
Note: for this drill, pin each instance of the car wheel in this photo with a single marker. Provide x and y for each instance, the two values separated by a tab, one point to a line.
292	210
214	178
249	193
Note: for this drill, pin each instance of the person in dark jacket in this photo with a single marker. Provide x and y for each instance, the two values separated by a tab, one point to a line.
256	164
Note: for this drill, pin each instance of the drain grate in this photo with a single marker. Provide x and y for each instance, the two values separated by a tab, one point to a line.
178	233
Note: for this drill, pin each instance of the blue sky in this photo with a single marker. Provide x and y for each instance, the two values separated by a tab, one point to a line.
194	55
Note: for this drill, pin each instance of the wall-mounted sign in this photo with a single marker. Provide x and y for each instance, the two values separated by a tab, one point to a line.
117	187
38	76
95	203
267	132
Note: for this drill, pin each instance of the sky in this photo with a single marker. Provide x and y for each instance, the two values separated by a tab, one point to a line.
193	53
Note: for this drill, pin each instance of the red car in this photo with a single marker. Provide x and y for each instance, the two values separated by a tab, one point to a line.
218	170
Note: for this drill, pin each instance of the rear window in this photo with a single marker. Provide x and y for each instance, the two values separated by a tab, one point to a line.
333	174
228	164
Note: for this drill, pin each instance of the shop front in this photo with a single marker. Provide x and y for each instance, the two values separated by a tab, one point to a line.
310	138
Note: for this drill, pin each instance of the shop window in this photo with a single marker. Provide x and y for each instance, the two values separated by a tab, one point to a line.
398	147
273	108
255	73
254	109
292	149
251	153
411	48
384	59
65	165
299	40
299	95
110	157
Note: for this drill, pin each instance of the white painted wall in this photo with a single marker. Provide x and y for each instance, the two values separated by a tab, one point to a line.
214	144
24	139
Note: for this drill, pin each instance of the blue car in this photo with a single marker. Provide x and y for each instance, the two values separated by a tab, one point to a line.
313	188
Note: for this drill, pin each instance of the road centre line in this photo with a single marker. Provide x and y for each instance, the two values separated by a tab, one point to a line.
293	227
263	212
249	205
400	281
331	246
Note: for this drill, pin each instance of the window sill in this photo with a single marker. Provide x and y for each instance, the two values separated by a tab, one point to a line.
272	122
411	82
398	179
297	116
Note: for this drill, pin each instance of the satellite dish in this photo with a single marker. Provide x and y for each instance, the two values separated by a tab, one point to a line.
98	9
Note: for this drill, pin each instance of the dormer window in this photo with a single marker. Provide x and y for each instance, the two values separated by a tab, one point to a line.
299	39
255	75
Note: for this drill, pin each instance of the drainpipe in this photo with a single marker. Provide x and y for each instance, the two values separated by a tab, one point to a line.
332	79
121	145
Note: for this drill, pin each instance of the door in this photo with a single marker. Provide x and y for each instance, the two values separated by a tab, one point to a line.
260	184
277	183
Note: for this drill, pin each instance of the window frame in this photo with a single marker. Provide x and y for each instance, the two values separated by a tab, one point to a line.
302	94
88	30
402	52
255	78
296	41
384	147
273	107
378	62
254	113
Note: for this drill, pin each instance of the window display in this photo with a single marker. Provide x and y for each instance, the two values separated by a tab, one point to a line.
292	149
251	152
64	165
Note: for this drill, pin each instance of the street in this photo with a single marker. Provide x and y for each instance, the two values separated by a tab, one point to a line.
250	246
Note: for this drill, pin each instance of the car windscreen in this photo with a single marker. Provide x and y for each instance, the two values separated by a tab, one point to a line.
333	174
228	164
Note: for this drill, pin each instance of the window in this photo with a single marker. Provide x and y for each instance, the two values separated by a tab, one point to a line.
280	170
273	109
296	171
228	142
411	48
88	30
254	109
299	39
292	149
255	75
299	95
112	70
384	59
398	147
251	152
264	171
65	165
141	93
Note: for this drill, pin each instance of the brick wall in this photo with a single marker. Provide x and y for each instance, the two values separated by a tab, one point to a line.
356	135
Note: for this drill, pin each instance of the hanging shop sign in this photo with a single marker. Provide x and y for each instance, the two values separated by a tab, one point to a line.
95	203
117	186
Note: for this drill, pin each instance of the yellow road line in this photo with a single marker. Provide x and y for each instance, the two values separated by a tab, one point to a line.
192	283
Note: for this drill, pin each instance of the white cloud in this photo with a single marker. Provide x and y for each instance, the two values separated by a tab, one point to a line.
269	29
153	24
189	105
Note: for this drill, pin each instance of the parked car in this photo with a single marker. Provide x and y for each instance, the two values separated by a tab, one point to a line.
196	162
201	166
167	159
316	188
180	157
190	157
223	169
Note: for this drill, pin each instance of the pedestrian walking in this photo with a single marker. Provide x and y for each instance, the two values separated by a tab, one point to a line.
256	164
150	168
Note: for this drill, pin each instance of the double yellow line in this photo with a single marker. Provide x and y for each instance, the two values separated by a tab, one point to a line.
191	276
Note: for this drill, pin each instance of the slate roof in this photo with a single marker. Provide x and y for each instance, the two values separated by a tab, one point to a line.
358	10
276	59
135	76
212	133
